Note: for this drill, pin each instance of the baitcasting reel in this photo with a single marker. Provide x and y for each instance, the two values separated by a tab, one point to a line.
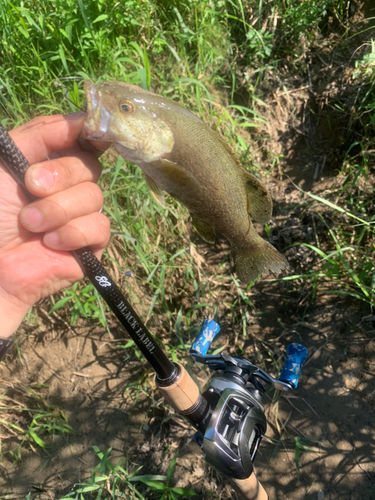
235	422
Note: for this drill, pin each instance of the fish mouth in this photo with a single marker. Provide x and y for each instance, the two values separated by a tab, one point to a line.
98	117
92	96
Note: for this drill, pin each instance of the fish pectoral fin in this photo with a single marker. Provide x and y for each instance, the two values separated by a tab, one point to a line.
155	190
206	232
258	199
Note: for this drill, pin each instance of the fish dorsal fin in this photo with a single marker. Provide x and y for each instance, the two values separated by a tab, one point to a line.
258	199
226	146
155	190
206	232
259	203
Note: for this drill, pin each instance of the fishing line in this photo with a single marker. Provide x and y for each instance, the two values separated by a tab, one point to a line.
65	95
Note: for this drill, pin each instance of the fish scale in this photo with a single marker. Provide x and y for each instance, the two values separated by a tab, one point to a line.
182	156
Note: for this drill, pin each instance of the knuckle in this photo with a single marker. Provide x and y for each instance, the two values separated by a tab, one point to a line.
93	195
69	169
105	226
95	190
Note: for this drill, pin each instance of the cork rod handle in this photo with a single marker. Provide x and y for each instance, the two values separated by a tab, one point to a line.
250	488
183	393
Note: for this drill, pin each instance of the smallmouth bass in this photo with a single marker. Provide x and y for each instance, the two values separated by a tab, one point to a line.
181	155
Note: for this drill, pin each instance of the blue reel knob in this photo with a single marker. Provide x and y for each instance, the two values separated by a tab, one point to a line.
209	330
296	355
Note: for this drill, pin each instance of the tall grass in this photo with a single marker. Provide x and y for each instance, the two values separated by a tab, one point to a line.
194	44
42	42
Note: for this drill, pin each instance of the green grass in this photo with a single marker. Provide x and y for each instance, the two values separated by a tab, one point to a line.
31	419
116	480
212	57
345	266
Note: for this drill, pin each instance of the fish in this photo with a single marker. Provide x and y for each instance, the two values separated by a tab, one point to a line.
180	155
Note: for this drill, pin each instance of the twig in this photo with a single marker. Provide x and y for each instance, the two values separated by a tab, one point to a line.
311	408
80	374
59	318
292	405
359	464
319	349
287	92
122	411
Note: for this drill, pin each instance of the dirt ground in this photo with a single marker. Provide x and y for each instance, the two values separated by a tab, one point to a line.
90	375
333	408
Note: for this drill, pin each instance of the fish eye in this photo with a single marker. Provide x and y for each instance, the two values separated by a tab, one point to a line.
127	107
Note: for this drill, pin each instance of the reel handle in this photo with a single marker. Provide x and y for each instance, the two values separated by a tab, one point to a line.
208	332
296	355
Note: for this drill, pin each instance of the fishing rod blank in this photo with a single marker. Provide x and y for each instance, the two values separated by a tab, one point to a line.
17	165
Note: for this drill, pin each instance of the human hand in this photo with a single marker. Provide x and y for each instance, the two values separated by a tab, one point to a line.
35	238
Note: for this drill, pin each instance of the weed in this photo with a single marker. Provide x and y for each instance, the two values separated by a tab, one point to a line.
107	479
117	481
86	303
301	443
164	489
31	418
346	267
365	67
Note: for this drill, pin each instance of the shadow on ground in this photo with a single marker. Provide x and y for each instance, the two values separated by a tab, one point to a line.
97	386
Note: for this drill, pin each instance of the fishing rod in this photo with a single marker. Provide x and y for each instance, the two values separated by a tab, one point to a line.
229	415
17	164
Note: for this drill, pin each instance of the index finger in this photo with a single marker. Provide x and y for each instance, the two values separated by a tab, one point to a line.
43	135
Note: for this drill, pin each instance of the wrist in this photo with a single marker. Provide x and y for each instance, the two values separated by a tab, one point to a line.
11	316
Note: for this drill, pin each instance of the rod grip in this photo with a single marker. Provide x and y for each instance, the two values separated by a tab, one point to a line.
183	394
250	488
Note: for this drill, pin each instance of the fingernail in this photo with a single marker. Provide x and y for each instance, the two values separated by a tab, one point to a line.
42	177
31	217
75	116
52	240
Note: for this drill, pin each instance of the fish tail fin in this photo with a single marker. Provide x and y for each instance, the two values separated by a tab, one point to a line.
251	262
